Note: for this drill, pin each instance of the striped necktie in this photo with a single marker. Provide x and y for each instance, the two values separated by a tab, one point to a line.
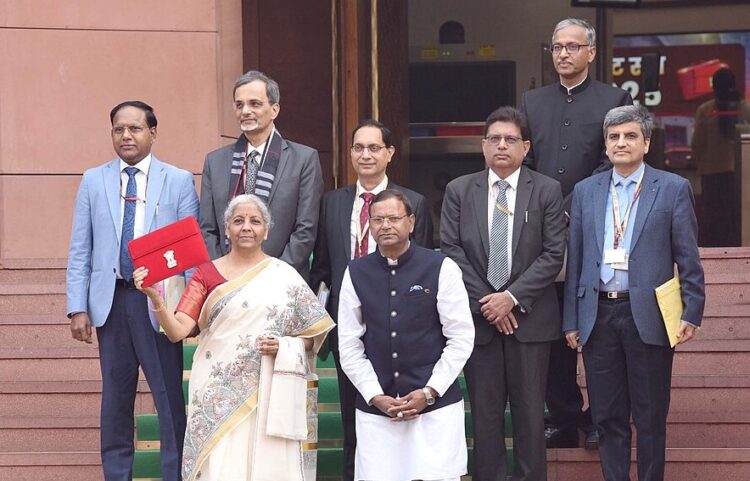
497	263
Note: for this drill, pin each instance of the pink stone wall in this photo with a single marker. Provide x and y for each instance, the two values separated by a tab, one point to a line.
66	64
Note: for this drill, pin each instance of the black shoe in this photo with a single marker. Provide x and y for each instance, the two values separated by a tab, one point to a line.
561	438
592	440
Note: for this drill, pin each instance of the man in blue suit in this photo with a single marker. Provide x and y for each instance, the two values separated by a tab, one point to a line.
628	229
116	202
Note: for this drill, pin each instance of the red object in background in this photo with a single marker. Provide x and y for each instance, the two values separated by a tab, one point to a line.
169	251
695	80
458	130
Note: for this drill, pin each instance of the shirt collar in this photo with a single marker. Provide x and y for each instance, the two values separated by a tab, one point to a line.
512	179
375	191
261	147
617	178
143	165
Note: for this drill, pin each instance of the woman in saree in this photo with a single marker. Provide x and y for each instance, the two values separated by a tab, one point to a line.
249	416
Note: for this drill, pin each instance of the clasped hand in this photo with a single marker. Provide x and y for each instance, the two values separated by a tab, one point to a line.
401	409
497	308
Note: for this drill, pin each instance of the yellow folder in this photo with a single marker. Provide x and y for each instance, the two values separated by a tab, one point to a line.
669	298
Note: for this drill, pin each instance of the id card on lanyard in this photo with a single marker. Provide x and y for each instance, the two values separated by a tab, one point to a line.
617	257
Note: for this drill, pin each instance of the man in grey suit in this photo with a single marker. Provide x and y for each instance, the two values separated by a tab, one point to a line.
628	229
504	227
286	175
344	234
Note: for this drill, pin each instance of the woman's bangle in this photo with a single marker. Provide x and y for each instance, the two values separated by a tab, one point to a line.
162	308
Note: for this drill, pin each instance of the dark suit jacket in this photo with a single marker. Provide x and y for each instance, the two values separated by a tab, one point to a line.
294	203
333	249
567	142
538	247
664	234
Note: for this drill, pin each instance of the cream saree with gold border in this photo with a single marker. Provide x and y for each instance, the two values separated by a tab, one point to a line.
228	377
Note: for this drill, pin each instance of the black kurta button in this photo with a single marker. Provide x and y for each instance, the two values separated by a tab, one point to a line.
393	272
561	170
567	122
569	99
393	293
564	146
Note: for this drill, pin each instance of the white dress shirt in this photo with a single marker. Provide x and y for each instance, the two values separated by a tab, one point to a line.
141	180
356	209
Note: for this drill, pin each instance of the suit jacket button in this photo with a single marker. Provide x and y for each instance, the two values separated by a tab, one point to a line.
567	122
561	170
564	146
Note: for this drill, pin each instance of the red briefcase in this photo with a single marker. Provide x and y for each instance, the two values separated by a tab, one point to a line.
169	251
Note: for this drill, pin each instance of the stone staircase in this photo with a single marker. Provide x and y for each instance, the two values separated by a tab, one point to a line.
50	390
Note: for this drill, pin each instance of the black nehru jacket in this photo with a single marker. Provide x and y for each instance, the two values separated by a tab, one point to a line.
404	337
567	142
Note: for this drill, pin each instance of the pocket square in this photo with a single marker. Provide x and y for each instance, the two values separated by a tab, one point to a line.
416	287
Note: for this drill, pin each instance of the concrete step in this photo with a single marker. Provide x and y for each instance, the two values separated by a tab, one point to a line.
24	434
55	369
32	276
66	398
53	304
38	335
51	466
688	362
724	328
683	464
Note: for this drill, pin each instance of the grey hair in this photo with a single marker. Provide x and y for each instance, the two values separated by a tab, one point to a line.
272	88
630	113
248	199
576	22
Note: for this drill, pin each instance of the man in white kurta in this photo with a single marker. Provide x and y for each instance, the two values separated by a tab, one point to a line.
405	333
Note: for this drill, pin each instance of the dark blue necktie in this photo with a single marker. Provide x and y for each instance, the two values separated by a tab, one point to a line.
128	224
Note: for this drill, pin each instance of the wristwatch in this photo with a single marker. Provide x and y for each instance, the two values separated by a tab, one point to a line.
428	396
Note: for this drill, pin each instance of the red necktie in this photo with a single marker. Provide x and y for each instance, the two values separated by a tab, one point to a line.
364	216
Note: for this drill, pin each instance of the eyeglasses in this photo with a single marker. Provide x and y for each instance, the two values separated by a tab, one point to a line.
509	139
392	219
572	47
133	129
373	148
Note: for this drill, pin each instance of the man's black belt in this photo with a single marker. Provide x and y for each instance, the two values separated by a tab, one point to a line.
126	283
614	295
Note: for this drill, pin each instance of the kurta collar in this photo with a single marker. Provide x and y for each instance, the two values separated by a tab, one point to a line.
577	89
395	263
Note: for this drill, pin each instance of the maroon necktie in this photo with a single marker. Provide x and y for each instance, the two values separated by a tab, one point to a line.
364	216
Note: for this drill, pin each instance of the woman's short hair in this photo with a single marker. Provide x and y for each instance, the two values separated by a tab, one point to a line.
248	199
